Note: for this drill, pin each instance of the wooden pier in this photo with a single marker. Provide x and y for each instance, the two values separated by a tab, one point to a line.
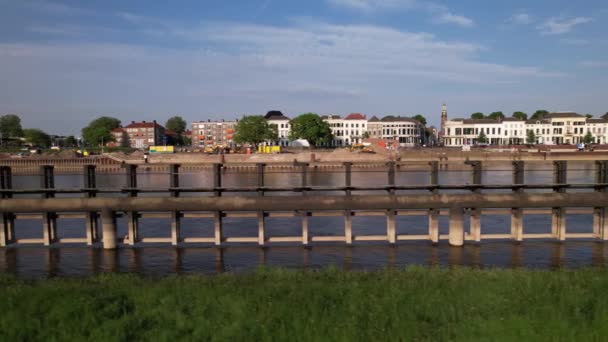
473	200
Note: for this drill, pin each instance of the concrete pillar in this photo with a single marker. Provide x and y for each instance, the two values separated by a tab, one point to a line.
7	229
456	235
108	223
132	227
91	228
348	227
517	224
600	223
217	228
558	224
434	225
305	238
261	228
391	227
475	224
175	227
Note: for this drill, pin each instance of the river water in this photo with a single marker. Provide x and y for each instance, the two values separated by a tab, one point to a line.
150	259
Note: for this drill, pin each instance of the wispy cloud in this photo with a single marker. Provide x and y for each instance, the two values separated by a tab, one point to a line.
371	5
555	26
449	18
521	18
440	13
594	64
574	41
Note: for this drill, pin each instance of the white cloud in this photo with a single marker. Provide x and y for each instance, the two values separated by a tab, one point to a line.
554	26
594	64
439	13
230	68
449	18
370	5
521	18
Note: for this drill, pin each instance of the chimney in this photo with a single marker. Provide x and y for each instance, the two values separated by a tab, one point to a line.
144	121
132	122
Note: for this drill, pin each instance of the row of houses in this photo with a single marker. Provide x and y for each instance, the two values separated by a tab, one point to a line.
348	130
143	134
552	129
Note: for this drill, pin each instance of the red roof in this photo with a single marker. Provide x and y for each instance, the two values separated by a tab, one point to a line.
143	124
118	130
355	116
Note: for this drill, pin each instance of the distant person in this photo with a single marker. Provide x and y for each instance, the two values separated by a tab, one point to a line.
145	159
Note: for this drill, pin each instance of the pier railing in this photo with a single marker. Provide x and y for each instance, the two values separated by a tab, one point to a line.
474	200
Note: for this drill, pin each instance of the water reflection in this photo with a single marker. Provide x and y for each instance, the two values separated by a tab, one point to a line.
39	262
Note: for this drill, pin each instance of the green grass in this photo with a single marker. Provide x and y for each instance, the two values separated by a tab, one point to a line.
417	303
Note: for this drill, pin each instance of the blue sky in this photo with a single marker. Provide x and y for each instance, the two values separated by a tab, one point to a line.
63	63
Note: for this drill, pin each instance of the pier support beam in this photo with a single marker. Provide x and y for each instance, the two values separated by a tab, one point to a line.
90	182
475	224
261	228
132	216
348	227
391	227
175	227
108	223
517	224
456	235
434	225
49	219
600	223
305	238
7	220
218	228
558	223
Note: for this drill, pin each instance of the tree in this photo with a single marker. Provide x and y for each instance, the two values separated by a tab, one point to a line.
420	118
482	138
365	135
539	114
520	115
70	141
100	130
37	137
588	116
309	126
177	124
531	137
588	138
10	126
187	141
477	115
496	116
254	130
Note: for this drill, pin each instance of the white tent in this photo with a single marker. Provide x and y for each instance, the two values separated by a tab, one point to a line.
300	143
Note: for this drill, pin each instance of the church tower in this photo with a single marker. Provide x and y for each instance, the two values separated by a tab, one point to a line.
444	117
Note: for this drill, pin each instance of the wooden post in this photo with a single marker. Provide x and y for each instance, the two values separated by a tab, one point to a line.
456	235
175	215
348	227
49	220
475	214
517	223
348	176
391	227
261	228
391	177
132	216
7	224
558	215
261	215
218	226
434	175
108	223
90	182
434	225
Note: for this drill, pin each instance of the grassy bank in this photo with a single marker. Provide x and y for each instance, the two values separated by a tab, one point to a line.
413	304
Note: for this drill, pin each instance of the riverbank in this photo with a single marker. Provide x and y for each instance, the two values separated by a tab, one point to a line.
413	304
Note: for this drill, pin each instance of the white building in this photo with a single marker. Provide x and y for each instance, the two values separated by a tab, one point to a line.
348	130
275	117
554	128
